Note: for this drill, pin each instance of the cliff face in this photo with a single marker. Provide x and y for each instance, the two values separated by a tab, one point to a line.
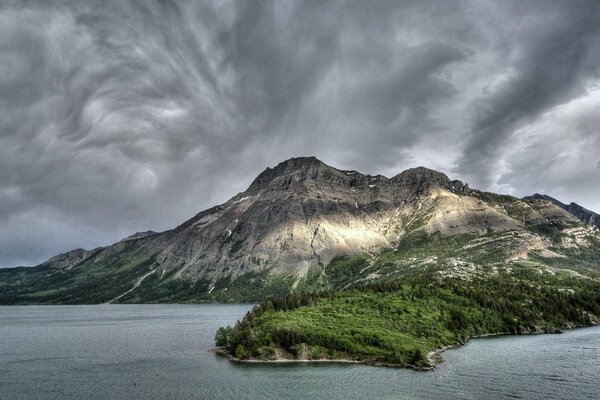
294	220
300	215
296	217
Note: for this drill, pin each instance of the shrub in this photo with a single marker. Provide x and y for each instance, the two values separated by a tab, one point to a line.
241	353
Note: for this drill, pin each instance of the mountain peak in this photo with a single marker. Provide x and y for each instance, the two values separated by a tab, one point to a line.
311	168
286	167
425	172
299	162
421	175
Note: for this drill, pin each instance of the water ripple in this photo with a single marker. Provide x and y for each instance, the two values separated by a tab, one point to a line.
161	352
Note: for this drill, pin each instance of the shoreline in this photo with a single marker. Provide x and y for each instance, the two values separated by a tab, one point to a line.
234	359
434	357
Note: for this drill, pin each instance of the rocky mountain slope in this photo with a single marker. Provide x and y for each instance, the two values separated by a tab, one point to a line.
299	226
585	215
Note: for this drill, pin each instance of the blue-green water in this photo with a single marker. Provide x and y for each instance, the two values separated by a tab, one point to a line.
163	352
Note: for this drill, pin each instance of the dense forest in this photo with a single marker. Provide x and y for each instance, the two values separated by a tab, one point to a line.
401	321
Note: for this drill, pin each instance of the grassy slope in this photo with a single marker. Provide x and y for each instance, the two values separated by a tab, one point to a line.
88	283
98	282
250	287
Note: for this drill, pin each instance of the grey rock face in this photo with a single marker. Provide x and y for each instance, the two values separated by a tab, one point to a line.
298	216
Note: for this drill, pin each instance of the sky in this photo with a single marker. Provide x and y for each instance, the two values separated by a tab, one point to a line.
124	116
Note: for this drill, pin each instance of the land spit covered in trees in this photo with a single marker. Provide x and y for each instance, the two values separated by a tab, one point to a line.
408	322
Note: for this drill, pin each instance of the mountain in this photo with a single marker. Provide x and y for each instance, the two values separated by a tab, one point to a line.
303	226
584	215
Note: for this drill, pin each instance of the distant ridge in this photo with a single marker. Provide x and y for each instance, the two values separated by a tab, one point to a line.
585	215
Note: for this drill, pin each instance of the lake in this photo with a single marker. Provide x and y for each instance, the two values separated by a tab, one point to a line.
164	352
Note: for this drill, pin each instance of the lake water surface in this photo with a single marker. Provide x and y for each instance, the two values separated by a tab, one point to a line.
163	352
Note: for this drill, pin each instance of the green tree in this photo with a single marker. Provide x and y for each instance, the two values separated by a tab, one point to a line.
224	336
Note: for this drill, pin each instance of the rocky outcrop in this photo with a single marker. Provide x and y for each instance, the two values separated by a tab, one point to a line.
139	235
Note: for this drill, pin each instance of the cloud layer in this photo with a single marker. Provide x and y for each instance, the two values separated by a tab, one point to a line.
118	117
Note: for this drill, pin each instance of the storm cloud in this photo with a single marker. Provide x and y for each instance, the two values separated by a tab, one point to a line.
123	116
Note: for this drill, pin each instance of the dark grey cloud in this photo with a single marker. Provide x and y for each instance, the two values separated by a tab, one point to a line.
124	116
553	57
